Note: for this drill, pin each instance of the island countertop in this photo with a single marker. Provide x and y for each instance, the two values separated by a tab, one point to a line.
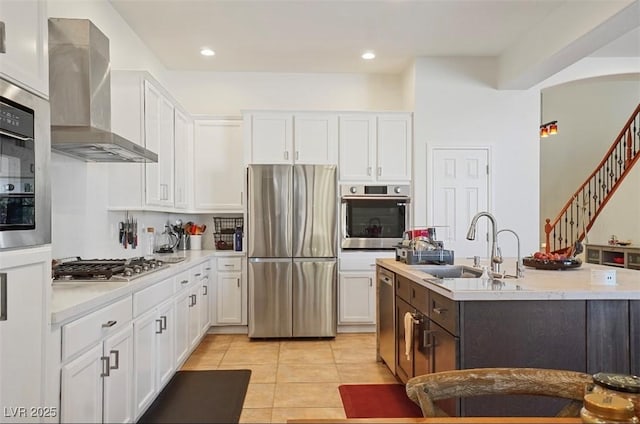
571	284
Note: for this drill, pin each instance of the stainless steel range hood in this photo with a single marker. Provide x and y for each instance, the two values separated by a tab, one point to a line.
80	96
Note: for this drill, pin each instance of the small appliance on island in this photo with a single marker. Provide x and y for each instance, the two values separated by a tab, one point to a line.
420	247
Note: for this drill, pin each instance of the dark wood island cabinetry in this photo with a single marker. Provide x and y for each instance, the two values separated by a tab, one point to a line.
586	335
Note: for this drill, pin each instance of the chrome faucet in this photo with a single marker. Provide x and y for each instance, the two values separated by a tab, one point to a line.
519	265
496	258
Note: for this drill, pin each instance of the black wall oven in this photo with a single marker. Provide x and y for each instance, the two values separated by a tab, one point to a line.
25	204
374	216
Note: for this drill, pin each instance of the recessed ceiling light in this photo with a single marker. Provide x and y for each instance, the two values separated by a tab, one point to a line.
368	55
205	51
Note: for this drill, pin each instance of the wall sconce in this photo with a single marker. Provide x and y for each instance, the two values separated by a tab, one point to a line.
550	128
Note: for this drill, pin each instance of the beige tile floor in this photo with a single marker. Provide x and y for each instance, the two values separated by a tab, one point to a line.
293	378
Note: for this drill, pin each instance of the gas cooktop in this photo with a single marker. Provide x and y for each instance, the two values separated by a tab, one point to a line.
105	270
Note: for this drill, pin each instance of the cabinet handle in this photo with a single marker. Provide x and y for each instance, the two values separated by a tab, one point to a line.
227	265
184	281
425	337
439	311
238	280
163	326
241	198
3	47
116	362
369	171
198	274
286	155
159	330
191	301
370	282
297	155
3	296
207	268
109	324
195	299
205	290
105	366
379	171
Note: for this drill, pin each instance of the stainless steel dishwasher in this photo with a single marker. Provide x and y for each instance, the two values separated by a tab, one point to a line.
386	314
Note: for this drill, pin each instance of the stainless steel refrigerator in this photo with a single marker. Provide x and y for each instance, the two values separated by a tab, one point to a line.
292	245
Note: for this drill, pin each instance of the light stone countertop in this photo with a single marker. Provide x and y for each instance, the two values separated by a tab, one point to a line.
71	300
570	284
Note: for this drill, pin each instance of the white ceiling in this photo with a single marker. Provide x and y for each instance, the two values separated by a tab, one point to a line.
330	35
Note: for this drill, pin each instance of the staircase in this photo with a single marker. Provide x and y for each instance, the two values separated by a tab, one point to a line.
580	212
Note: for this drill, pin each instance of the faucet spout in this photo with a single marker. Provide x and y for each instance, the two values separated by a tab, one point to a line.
471	235
519	265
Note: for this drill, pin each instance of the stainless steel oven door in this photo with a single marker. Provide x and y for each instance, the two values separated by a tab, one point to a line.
372	222
25	152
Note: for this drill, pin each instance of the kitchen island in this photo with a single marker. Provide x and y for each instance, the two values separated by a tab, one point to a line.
548	319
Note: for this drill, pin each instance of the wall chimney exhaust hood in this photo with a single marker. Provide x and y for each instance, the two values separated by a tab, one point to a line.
80	96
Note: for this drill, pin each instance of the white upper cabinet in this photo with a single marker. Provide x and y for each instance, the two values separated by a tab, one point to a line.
375	147
288	137
394	147
159	137
357	147
143	112
183	128
218	165
270	137
25	58
315	138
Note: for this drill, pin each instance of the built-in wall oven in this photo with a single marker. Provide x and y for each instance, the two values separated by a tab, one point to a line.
25	202
374	216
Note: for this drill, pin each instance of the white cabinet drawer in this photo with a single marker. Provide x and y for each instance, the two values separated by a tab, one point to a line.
229	264
91	328
362	261
182	280
152	296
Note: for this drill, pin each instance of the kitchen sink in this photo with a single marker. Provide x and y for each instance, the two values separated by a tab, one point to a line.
449	271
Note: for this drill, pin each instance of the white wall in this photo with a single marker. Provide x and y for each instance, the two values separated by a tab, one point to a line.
457	104
228	93
591	113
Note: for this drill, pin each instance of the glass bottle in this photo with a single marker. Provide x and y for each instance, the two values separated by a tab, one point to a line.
150	240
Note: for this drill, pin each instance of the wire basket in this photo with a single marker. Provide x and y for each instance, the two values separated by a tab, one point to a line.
224	230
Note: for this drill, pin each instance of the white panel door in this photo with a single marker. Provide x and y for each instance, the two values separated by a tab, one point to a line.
315	138
144	337
356	137
394	148
26	59
182	148
81	391
218	161
271	138
357	303
118	385
164	343
182	326
460	190
229	295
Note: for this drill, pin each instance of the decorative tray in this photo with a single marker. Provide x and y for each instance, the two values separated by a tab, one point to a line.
561	264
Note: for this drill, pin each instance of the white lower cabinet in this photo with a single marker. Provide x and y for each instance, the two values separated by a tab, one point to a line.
357	290
153	337
357	295
98	386
230	292
25	276
187	304
116	360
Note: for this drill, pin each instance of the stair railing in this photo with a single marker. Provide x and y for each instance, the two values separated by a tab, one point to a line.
579	213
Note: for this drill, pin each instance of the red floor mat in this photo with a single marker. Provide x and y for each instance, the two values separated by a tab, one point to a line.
377	401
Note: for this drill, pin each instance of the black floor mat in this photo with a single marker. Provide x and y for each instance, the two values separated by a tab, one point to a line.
214	396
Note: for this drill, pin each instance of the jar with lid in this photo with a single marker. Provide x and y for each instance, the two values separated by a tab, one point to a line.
600	408
623	385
